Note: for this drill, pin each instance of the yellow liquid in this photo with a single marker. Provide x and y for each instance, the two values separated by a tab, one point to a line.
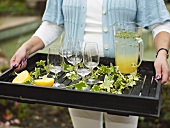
126	55
126	65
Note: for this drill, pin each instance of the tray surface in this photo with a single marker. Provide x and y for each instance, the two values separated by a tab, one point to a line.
144	99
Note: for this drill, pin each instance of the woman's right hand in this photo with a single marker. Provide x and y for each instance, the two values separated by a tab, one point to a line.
19	59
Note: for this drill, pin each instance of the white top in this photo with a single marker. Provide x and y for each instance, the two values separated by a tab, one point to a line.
93	28
48	32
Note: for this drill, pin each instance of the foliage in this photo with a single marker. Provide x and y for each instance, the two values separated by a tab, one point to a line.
113	82
81	85
13	111
14	7
40	69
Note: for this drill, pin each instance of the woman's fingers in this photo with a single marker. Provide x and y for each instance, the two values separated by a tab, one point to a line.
162	70
165	76
18	63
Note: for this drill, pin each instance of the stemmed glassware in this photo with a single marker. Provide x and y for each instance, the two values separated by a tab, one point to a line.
63	46
63	50
74	53
91	58
83	71
54	63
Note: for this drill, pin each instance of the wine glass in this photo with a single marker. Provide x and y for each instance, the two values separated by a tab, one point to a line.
91	58
63	49
83	71
54	63
74	53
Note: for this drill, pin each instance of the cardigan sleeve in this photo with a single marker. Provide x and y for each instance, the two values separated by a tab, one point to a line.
53	12
150	12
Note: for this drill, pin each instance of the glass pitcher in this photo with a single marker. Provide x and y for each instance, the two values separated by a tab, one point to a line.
128	46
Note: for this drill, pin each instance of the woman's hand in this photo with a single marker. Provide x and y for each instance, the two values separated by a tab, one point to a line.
162	45
161	67
19	59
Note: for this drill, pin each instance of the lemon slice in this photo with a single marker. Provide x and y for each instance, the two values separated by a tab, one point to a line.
44	82
22	77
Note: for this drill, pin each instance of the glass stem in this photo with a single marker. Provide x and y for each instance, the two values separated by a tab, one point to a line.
83	77
56	80
91	71
75	67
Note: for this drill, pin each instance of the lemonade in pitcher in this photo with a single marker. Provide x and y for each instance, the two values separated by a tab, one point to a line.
128	47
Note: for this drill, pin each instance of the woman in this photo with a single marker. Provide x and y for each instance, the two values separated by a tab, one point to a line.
92	20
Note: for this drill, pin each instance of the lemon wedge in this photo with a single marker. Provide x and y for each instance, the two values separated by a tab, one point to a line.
44	82
22	77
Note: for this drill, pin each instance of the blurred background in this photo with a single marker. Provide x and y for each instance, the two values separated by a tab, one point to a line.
18	21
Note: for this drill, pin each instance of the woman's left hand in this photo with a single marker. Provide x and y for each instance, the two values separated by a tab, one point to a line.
162	68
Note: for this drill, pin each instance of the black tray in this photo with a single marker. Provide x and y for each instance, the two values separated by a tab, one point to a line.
144	99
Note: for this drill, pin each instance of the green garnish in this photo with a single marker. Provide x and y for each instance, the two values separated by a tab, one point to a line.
81	85
127	34
40	69
113	82
72	76
67	67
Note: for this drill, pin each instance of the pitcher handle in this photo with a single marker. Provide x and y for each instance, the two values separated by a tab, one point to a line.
140	46
141	49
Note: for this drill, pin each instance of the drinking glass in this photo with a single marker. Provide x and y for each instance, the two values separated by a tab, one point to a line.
54	63
91	58
83	71
63	49
74	53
